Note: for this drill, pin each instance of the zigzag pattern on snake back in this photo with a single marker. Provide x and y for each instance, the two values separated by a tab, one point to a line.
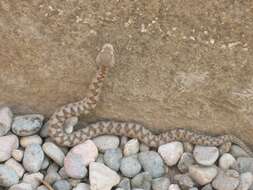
105	60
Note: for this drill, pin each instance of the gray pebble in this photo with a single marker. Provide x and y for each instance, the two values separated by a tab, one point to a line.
226	180
33	158
142	180
54	152
106	142
6	117
237	151
100	158
152	163
125	184
130	166
8	176
112	158
161	183
16	166
245	181
62	185
185	161
26	125
201	174
184	181
33	179
245	164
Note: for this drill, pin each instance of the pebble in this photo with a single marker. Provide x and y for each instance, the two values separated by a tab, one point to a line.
226	180
185	161
125	184
245	164
6	117
226	161
75	166
237	151
26	125
34	139
152	163
184	181
52	177
87	150
33	179
54	152
205	155
33	158
82	186
16	166
130	166
102	177
63	173
246	180
42	187
8	176
112	158
123	141
142	180
44	130
207	187
131	147
171	152
201	174
45	163
161	183
17	154
100	158
62	185
174	187
106	142
8	144
21	186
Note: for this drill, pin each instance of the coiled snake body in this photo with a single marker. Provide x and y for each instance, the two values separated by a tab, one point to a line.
105	59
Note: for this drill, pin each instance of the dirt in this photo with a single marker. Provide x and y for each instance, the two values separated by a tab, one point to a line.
178	63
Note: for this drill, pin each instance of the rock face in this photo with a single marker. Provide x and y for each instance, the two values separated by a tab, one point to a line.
200	77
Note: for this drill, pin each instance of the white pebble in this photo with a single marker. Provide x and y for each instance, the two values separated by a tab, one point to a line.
34	139
205	155
131	147
82	186
101	177
17	154
6	117
8	144
246	180
33	179
174	187
106	142
17	167
226	161
54	152
171	152
201	174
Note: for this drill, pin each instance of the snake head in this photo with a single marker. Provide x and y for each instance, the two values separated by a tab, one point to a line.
106	56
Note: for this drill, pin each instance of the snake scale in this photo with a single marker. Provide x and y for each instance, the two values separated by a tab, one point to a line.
105	61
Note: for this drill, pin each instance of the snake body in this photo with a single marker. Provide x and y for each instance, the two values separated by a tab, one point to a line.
105	60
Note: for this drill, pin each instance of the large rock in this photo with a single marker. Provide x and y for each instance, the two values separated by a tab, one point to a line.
174	59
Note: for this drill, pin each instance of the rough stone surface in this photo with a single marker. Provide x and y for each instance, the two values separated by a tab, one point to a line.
16	166
106	142
185	161
131	147
161	183
62	185
195	56
33	179
246	180
226	161
130	166
112	158
8	144
142	181
21	186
